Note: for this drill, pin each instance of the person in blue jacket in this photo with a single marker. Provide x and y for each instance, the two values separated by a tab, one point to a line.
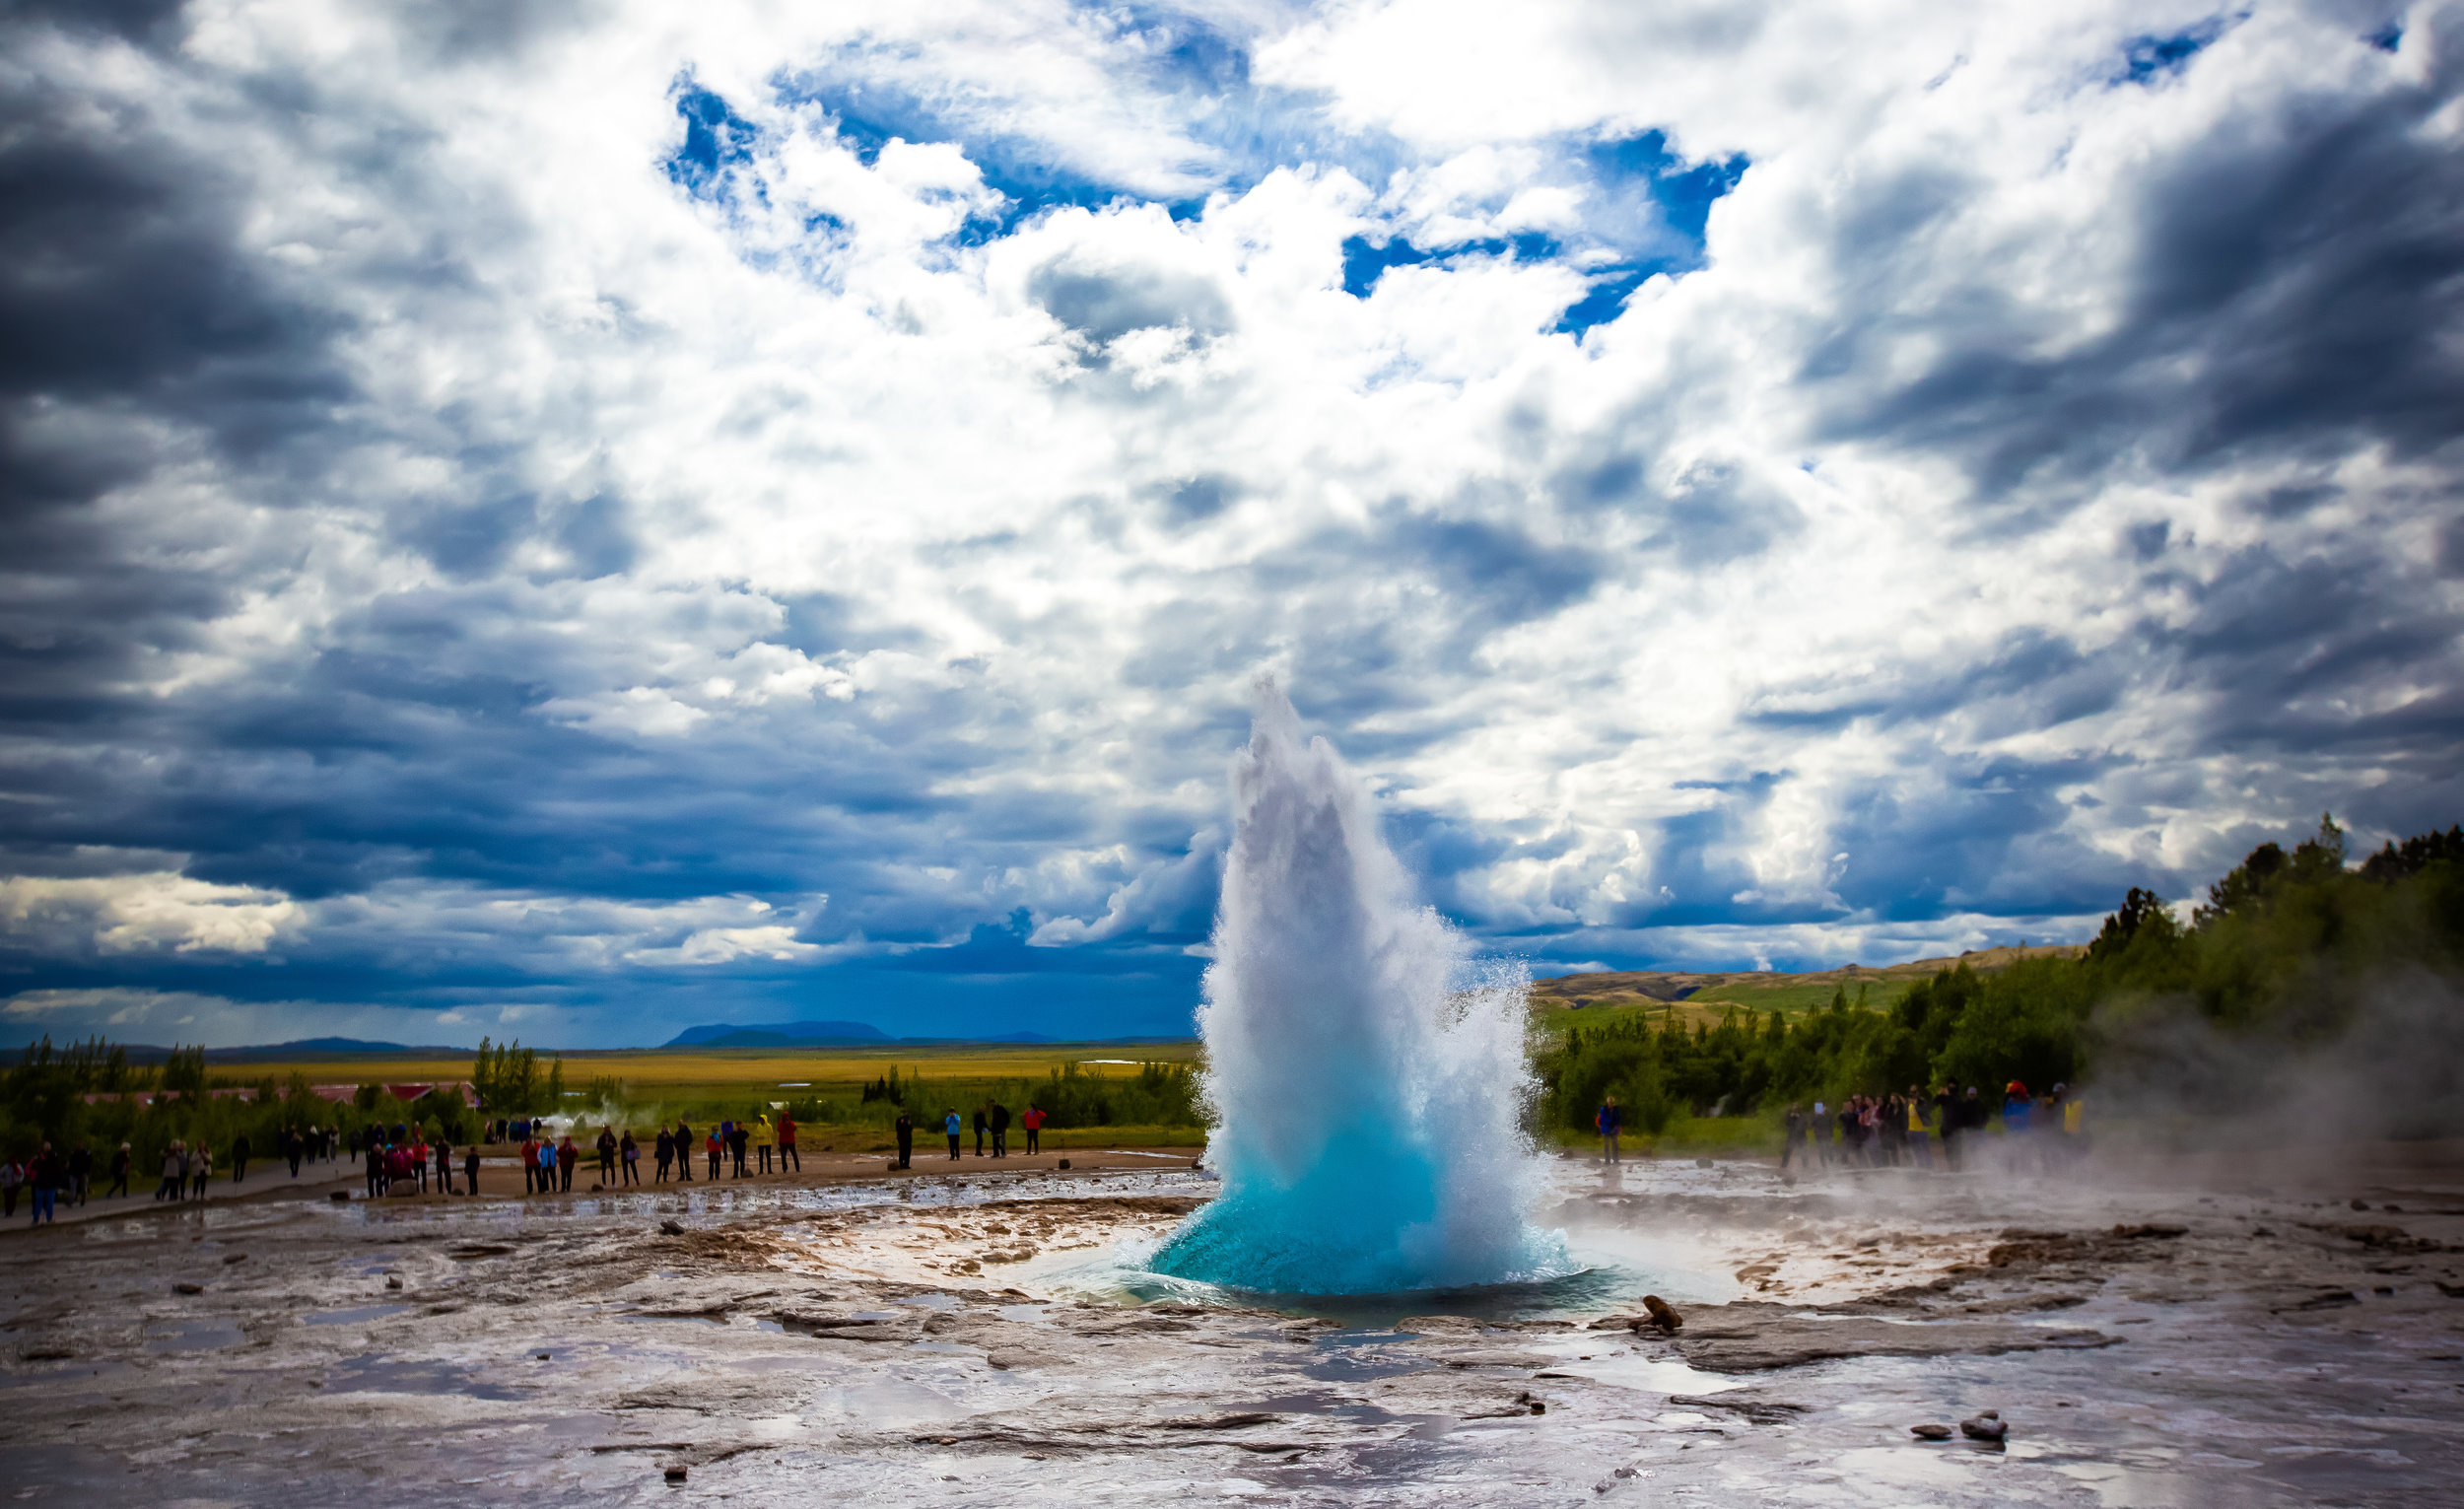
953	1126
1609	1120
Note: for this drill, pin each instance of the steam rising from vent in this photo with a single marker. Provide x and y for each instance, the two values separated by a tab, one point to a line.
1367	1085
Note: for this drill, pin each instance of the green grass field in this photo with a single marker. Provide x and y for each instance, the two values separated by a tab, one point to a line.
1788	1000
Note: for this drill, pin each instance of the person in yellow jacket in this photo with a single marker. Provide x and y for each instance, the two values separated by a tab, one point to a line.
765	1137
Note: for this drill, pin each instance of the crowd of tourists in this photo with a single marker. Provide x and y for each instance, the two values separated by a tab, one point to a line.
401	1159
50	1178
1901	1130
740	1150
991	1122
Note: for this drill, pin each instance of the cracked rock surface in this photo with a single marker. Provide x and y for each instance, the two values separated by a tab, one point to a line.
2149	1332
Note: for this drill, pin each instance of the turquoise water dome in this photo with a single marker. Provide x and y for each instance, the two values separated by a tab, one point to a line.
1367	1081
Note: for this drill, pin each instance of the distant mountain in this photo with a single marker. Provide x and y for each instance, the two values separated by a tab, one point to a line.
321	1048
780	1035
277	1052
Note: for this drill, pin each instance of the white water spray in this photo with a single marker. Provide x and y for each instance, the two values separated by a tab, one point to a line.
1367	1087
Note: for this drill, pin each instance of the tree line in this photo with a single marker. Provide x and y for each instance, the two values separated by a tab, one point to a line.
2289	946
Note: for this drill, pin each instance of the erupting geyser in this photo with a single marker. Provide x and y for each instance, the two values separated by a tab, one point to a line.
1368	1089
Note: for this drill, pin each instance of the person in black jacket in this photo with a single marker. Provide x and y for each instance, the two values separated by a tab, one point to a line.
906	1137
239	1158
120	1162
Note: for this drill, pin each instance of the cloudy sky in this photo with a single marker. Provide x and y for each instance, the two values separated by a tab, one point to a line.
582	519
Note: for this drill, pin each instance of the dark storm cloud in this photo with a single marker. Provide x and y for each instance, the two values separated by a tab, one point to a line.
1105	303
2298	273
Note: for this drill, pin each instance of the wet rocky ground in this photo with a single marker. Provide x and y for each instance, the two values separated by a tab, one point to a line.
2148	1331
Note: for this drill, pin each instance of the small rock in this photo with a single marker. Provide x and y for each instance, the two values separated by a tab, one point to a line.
2384	1289
393	1280
1661	1315
2361	1205
1702	1163
676	1474
890	1167
187	1288
543	1356
672	1227
236	1257
1986	1428
340	1196
1930	1432
2450	1290
1064	1163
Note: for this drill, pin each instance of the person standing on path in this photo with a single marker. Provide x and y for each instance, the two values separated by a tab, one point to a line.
239	1158
1610	1120
607	1155
1919	1151
1032	1120
666	1148
684	1154
566	1157
42	1176
629	1153
709	1150
1793	1138
981	1127
786	1143
904	1126
174	1174
739	1145
203	1170
1000	1131
293	1147
471	1170
1819	1134
80	1173
546	1184
530	1164
952	1124
120	1163
765	1137
444	1164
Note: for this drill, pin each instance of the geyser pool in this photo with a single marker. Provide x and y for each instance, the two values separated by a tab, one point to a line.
1367	1083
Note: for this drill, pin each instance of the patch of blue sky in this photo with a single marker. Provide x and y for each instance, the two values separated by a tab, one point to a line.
2149	58
717	140
1031	175
1644	212
1647	211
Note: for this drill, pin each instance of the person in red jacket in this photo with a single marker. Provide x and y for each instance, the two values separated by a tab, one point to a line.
786	1143
1032	1120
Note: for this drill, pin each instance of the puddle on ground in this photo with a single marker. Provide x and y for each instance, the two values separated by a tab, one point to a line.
1347	1357
381	1375
354	1314
197	1337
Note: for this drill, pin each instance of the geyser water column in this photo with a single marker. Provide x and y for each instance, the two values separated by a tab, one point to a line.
1367	1087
